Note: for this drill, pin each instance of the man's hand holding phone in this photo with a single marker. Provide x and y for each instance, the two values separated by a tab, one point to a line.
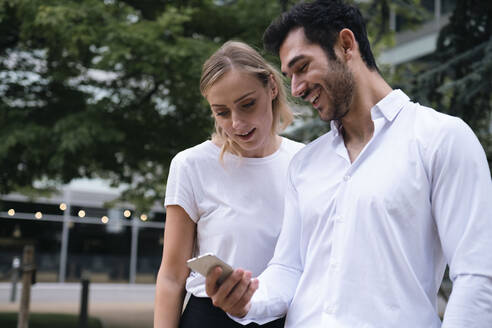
229	289
234	294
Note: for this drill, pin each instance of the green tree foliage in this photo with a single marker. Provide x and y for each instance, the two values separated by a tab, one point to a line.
109	88
457	78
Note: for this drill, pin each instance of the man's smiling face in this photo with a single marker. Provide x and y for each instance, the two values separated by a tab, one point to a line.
327	84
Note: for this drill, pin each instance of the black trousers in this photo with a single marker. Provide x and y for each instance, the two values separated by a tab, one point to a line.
201	313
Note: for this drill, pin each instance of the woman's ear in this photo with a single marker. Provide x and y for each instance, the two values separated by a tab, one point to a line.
273	87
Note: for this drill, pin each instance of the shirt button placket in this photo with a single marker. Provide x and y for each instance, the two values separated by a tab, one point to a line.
334	263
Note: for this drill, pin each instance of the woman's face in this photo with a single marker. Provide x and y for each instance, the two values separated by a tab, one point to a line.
242	107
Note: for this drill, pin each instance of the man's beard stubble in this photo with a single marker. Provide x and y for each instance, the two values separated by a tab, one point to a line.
340	84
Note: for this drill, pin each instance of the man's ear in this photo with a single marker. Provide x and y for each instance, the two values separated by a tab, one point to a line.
347	44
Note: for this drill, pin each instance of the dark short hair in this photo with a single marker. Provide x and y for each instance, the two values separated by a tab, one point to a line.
322	20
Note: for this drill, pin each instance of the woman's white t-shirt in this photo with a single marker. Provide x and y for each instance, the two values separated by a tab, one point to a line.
237	205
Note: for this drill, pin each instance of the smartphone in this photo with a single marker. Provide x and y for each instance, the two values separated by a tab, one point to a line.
206	262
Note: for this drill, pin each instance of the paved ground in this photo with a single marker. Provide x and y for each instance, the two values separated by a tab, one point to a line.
117	305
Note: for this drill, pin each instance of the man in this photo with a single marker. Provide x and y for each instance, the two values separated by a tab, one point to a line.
376	207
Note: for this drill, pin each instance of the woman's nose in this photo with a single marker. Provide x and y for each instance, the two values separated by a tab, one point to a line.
237	121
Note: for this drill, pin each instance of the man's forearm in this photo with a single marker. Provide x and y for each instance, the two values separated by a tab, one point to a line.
271	300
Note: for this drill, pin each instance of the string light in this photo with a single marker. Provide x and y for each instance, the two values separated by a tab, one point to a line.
127	213
105	219
11	212
63	206
81	213
38	215
17	232
143	217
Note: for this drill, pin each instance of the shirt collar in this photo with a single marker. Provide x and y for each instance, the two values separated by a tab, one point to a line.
390	106
336	127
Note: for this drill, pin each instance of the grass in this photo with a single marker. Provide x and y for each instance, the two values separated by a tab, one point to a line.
46	320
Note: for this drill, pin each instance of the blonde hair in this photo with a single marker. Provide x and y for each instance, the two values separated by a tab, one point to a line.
240	56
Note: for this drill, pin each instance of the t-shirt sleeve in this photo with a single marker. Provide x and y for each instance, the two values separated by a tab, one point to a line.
179	188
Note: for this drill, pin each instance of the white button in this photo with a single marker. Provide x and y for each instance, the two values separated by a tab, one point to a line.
328	308
346	178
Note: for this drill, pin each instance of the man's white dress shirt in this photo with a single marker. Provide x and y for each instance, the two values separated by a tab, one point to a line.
365	244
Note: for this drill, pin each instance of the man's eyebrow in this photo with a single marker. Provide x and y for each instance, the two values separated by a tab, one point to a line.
293	61
235	101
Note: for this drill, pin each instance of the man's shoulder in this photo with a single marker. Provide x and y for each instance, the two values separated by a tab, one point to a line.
438	133
430	123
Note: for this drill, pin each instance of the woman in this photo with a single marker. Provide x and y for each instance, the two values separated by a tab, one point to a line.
225	195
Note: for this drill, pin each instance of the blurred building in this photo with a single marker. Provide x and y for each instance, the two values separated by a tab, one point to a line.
417	43
73	232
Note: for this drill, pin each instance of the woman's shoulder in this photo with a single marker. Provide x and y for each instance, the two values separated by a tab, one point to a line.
203	151
291	146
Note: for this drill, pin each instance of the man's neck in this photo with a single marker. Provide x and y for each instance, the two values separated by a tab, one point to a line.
358	126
